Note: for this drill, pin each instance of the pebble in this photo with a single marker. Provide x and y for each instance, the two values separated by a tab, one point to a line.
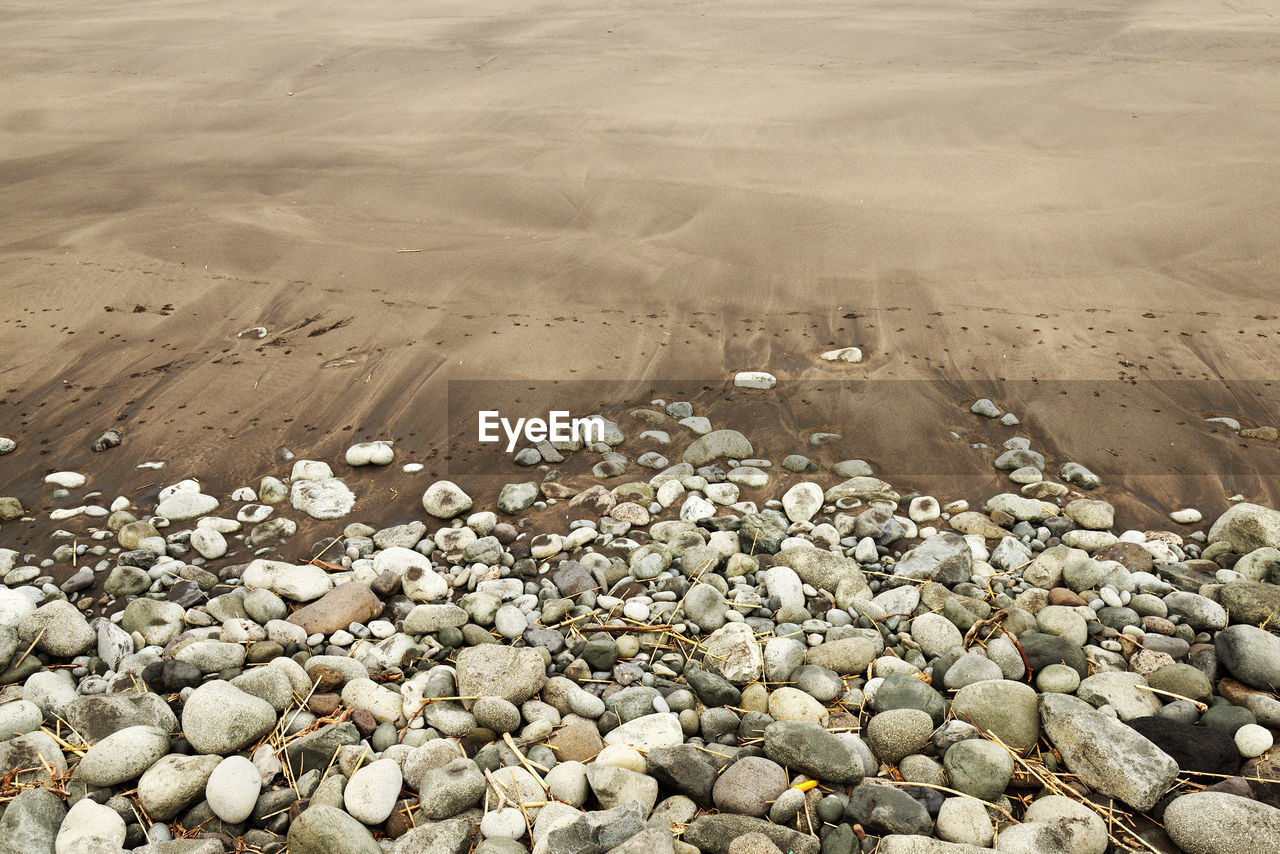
371	793
232	789
1253	740
755	380
89	825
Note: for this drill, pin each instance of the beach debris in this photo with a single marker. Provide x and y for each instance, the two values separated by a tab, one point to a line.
110	439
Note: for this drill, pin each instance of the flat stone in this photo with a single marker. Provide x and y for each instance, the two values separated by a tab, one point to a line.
122	756
713	834
493	670
1107	755
352	602
811	749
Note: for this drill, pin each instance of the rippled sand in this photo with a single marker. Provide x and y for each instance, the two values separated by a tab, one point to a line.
417	192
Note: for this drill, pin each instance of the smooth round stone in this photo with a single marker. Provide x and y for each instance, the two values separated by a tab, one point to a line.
1009	710
496	714
324	829
749	786
1253	740
898	733
233	788
788	805
568	782
790	704
918	768
935	634
979	768
637	611
506	823
90	826
1220	823
830	809
1227	718
1084	829
1058	679
970	668
964	821
220	718
621	756
510	622
1065	623
371	794
123	755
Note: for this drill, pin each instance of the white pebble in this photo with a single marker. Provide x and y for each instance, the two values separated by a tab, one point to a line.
232	790
1187	516
853	355
506	823
65	479
1253	740
755	379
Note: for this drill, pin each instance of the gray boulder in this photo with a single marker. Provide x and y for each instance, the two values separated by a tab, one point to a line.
1219	823
493	670
718	445
1246	527
1251	654
31	822
944	557
329	830
220	718
809	748
714	833
823	569
1108	756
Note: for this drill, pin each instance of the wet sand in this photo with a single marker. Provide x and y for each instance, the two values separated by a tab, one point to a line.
644	195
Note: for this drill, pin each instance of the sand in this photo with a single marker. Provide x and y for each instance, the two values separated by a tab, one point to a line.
648	196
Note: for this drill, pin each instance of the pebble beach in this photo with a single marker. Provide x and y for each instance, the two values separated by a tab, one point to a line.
933	508
702	651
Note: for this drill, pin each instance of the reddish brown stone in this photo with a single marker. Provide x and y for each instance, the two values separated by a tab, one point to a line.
578	741
324	704
1131	555
1063	596
326	678
345	604
399	822
365	722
